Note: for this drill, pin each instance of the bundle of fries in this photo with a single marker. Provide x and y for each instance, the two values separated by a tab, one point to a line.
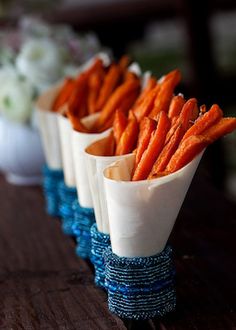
162	131
99	89
166	131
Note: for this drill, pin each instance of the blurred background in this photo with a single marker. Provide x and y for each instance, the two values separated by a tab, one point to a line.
197	37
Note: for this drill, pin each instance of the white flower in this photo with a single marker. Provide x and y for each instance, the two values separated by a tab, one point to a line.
40	60
71	70
16	96
7	72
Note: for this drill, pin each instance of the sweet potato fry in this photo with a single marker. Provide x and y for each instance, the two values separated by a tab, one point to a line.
107	124
124	62
144	108
163	98
187	150
78	95
63	94
119	124
128	102
129	137
77	102
205	121
187	116
167	152
222	127
94	84
176	106
111	81
124	107
174	76
128	75
115	101
189	113
147	126
76	123
174	120
94	67
151	83
154	148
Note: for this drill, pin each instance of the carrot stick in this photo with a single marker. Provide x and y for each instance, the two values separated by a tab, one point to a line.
176	106
154	148
167	152
129	137
119	124
222	127
205	121
186	152
115	101
147	126
111	81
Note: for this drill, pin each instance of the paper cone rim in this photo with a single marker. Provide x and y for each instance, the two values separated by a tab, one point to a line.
115	157
39	103
84	119
160	180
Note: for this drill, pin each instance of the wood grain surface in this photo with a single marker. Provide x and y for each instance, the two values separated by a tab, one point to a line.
43	285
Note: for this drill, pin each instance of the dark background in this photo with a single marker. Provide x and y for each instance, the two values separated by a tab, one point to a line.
197	37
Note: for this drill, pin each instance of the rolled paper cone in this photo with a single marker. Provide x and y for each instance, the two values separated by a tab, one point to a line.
145	77
65	131
142	213
135	68
96	163
79	142
48	128
105	57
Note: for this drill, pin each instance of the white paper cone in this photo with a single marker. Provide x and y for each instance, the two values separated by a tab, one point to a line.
79	142
135	68
142	213
105	57
146	76
65	131
48	128
96	163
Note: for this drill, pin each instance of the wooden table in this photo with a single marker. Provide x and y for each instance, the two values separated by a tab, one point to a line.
43	285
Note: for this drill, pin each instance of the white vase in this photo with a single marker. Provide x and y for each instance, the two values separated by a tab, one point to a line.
21	153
